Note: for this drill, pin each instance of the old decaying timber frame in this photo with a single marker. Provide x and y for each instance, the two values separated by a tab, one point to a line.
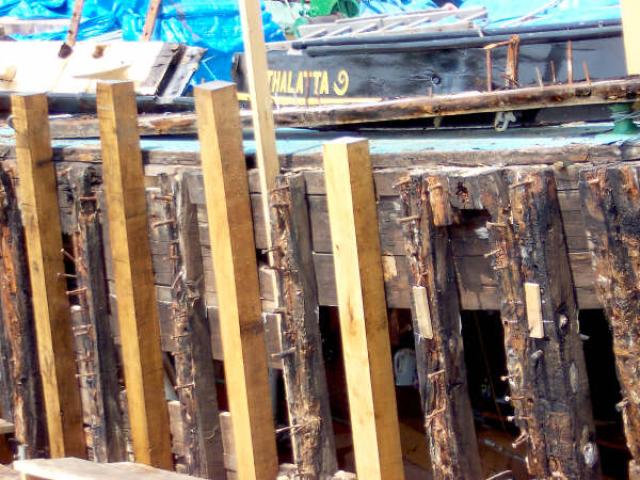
97	357
611	200
22	390
547	376
303	365
173	221
437	329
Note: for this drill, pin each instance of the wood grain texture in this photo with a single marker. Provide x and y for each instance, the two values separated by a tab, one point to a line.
261	102
362	308
630	22
134	282
236	276
442	374
38	199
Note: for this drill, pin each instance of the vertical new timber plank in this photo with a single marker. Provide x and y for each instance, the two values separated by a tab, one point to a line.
303	365
39	206
233	250
363	310
261	101
193	358
630	22
438	332
96	348
611	201
134	282
16	309
547	376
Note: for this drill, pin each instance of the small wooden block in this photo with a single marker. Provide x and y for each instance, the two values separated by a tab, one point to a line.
6	428
422	311
534	310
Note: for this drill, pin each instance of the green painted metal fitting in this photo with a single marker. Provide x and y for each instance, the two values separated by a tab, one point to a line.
622	123
320	8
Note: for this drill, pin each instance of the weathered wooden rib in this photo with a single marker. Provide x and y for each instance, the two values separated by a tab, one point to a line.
611	199
547	376
581	93
195	376
303	366
438	330
95	347
27	409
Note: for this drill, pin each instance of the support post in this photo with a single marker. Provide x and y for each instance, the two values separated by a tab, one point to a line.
303	365
261	105
611	201
133	274
363	310
233	249
547	376
630	21
38	199
438	333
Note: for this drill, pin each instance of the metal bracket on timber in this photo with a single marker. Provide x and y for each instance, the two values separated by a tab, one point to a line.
43	234
547	376
96	351
24	386
177	225
439	348
611	200
303	365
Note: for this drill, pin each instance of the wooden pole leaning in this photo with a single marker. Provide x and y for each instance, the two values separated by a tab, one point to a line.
363	310
233	248
134	281
38	194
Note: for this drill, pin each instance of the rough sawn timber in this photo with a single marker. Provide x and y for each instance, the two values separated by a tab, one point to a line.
441	366
611	199
547	377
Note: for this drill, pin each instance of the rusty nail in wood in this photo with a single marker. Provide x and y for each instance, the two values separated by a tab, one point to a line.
402	181
524	436
89	198
493	253
539	77
77	291
186	385
68	255
435	374
585	69
521	184
79	375
554	79
497	225
163	198
66	275
284	353
163	222
435	413
412	218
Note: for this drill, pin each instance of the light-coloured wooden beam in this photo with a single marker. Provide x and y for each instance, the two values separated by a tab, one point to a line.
261	103
631	26
233	251
38	194
363	310
134	281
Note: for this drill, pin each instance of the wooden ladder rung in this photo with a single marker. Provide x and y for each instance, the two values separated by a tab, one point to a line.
77	469
6	427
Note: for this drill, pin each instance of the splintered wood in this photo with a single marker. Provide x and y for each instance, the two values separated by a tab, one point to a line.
303	366
611	200
436	318
547	376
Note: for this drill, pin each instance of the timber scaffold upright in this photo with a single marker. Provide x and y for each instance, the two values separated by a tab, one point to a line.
150	271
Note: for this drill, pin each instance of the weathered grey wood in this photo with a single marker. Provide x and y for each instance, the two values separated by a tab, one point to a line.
195	377
27	409
441	367
611	199
303	365
547	377
96	352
